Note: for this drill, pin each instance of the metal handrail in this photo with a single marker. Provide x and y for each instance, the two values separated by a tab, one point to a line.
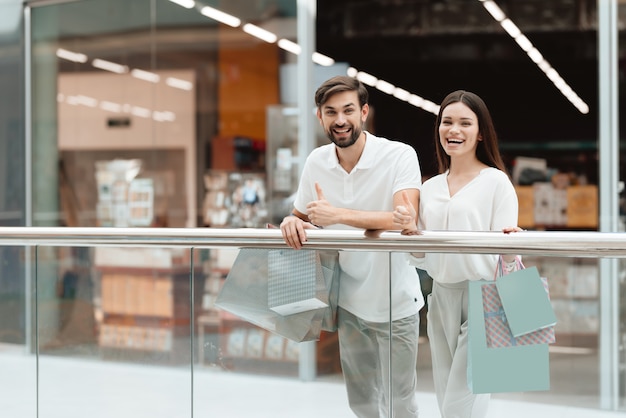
553	243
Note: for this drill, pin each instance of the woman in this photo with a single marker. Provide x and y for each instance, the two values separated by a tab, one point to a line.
471	193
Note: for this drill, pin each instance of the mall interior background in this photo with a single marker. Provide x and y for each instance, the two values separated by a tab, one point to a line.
161	102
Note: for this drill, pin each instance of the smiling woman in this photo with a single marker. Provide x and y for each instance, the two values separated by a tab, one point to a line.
458	131
471	193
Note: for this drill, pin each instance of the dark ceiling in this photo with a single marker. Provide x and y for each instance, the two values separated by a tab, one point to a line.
432	47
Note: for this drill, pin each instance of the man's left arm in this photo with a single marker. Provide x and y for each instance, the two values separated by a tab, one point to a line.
322	213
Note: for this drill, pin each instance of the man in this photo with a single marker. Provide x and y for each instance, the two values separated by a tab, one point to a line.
355	183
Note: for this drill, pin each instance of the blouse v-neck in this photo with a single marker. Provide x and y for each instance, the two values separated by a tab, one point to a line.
464	186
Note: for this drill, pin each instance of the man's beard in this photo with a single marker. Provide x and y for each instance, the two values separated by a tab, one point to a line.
356	132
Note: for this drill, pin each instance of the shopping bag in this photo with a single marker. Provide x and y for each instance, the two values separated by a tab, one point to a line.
525	301
534	310
330	266
245	294
504	369
295	281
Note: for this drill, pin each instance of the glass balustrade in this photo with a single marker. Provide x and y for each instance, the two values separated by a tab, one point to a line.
127	325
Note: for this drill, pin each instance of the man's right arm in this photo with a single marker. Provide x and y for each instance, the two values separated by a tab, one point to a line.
293	229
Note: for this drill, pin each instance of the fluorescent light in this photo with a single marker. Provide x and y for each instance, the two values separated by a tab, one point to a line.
401	94
396	92
581	105
163	116
562	85
177	83
366	78
72	100
260	33
82	100
431	107
524	43
142	112
110	106
494	10
553	75
220	16
71	56
187	4
535	55
109	66
322	59
289	46
145	75
416	100
87	101
385	87
544	65
511	28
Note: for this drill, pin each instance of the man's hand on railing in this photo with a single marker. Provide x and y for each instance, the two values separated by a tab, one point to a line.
293	230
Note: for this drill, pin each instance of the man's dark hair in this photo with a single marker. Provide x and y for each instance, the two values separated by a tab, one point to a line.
340	84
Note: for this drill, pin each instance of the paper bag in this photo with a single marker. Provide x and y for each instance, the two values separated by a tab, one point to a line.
506	369
245	294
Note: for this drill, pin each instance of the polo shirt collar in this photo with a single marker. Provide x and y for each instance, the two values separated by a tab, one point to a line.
368	157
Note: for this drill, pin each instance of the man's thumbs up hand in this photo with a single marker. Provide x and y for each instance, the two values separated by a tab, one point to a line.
320	212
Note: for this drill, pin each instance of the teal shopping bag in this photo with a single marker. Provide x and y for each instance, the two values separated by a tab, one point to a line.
505	369
525	301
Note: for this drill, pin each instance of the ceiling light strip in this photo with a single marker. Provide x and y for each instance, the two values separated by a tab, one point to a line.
71	56
109	66
220	16
187	4
290	46
527	46
145	75
269	37
178	83
322	59
260	33
397	92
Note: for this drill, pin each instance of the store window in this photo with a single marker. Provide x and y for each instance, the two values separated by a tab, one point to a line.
140	109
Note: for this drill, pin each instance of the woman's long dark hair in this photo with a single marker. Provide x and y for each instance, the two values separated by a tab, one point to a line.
487	150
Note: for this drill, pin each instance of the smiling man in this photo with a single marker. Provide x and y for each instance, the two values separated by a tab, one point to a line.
355	182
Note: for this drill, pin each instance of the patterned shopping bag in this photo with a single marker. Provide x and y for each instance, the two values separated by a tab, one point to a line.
497	329
245	294
498	332
295	281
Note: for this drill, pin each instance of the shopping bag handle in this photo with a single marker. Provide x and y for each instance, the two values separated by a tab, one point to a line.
500	268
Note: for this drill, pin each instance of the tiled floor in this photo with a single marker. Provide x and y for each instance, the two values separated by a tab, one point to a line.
80	388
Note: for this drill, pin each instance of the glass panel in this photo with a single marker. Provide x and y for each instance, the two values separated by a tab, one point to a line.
239	357
118	116
13	293
133	113
18	382
573	358
621	99
107	321
114	331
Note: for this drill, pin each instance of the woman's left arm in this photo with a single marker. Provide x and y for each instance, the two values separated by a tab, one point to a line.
506	217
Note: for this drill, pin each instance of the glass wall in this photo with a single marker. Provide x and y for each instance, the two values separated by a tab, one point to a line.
153	95
12	180
136	332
